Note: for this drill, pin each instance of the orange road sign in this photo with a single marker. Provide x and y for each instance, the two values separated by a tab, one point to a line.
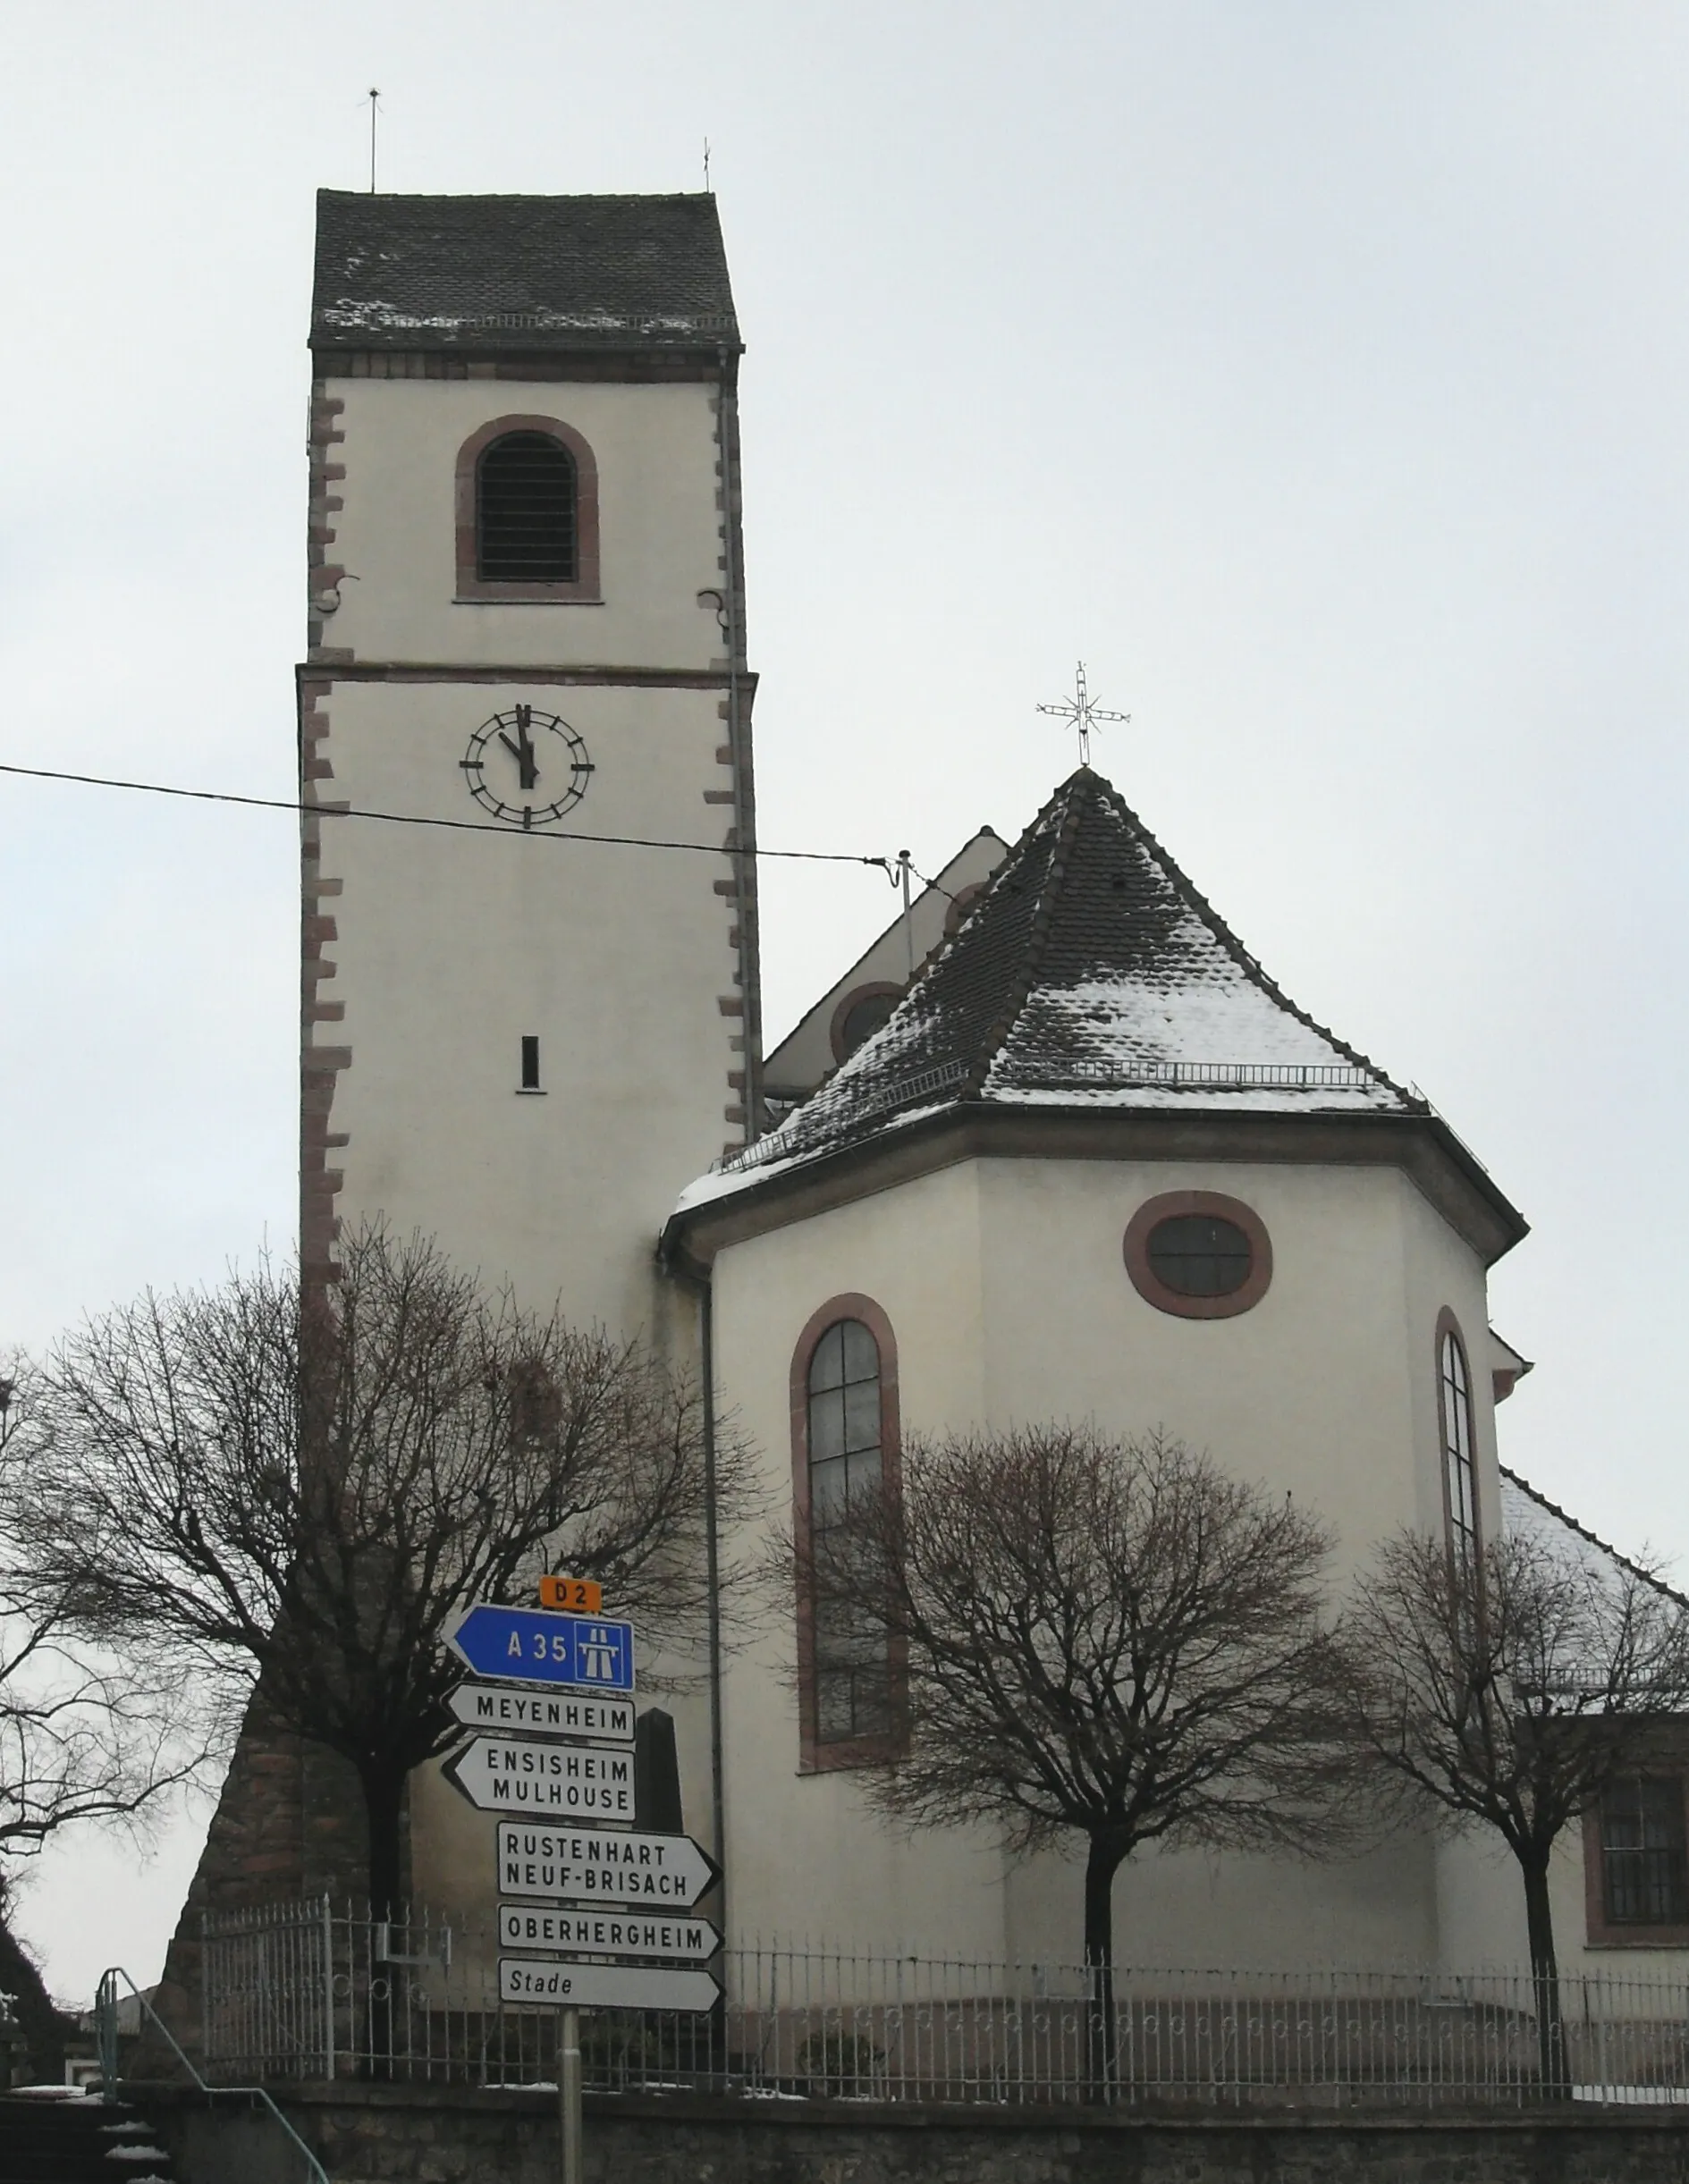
576	1596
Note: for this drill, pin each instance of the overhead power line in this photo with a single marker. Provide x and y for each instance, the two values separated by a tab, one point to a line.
457	826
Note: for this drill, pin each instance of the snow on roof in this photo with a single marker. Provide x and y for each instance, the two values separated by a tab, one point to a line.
1530	1516
1091	973
485	273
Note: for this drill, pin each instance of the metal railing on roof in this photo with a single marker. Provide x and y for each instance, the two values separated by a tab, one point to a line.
1298	1076
898	1091
1082	1071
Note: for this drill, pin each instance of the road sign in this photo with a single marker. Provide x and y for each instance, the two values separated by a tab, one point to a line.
529	1645
601	1864
516	1774
580	1596
614	1933
547	1714
606	1987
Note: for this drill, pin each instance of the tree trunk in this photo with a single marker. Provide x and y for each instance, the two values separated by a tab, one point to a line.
1103	1862
1545	1980
384	1806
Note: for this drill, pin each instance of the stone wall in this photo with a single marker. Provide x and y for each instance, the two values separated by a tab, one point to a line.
290	1822
422	2135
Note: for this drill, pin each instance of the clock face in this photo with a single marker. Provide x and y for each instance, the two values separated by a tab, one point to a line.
527	766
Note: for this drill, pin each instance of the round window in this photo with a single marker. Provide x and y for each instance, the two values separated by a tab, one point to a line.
860	1014
1200	1254
865	1018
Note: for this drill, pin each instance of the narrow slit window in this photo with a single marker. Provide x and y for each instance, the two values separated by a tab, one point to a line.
530	1061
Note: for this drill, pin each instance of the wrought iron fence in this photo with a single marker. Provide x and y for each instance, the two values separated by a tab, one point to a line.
310	1991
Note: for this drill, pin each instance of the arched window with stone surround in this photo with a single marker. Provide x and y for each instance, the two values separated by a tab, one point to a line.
844	1442
1459	1462
528	514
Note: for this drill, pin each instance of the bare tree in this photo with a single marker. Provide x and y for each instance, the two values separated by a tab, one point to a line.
86	1736
1086	1637
300	1493
1511	1696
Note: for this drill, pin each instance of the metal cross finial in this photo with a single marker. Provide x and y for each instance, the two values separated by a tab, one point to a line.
1082	712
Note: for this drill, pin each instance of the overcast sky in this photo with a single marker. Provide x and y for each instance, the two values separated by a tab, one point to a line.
1313	368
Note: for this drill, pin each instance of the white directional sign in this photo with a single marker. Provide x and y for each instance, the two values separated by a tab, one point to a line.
573	1781
601	1864
605	1987
606	1934
548	1714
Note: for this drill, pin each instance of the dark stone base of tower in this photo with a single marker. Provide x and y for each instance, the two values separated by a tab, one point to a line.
289	1824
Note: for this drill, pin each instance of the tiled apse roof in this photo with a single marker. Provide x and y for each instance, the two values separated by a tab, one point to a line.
482	273
1090	974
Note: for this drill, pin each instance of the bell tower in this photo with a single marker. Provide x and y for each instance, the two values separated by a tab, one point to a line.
530	997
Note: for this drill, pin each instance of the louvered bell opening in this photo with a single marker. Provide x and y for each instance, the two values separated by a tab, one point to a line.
525	510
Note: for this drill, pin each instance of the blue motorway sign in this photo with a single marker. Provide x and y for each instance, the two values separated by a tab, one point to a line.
534	1645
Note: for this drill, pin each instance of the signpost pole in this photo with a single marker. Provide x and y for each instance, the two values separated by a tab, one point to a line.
568	2094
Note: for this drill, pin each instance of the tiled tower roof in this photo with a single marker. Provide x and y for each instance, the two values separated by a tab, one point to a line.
481	273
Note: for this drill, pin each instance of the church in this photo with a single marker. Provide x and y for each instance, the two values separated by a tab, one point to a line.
1054	1147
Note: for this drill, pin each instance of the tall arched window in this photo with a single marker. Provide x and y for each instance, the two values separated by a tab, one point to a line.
525	511
1460	1476
844	1417
528	514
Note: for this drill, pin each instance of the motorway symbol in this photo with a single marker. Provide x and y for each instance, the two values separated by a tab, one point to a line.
515	1775
547	1714
530	1644
606	1987
600	1865
614	1933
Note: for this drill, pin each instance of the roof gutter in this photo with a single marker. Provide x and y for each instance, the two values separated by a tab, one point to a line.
1421	1146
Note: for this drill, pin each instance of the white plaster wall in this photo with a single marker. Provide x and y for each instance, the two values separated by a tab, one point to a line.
659	526
451	946
805	1856
1004	1282
1480	1903
1305	1394
1482	1898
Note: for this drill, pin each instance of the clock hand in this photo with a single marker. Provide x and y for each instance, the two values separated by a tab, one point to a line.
530	771
522	752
